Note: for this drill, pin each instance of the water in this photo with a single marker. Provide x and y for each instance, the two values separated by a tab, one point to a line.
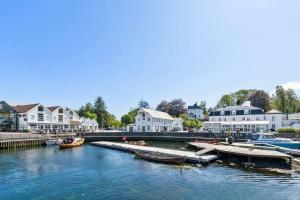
96	173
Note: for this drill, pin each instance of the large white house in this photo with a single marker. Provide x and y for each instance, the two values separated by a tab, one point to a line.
243	118
34	117
148	120
195	112
60	118
88	124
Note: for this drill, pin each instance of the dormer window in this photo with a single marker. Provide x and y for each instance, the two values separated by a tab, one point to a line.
246	112
233	112
222	112
61	110
40	108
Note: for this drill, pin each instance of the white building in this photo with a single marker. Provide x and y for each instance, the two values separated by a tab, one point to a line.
148	120
75	123
60	118
243	118
34	117
88	124
195	112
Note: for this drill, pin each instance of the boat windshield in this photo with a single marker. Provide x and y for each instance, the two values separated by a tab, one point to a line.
268	137
254	136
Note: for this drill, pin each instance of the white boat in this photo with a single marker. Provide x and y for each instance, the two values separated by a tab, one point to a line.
269	138
50	142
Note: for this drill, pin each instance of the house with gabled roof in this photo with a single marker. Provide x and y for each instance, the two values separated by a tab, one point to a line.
148	120
195	112
33	117
60	118
74	120
8	117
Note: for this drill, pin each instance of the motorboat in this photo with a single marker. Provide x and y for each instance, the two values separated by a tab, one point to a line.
50	142
269	138
71	142
159	157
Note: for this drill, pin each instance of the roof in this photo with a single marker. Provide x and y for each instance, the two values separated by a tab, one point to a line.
5	107
195	106
25	108
241	107
157	114
274	112
73	122
53	108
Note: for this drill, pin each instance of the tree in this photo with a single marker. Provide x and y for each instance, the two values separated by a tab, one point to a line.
112	122
101	112
177	107
143	104
226	100
260	99
202	105
285	100
129	118
163	106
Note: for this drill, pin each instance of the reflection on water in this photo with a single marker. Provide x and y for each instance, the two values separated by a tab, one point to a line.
96	173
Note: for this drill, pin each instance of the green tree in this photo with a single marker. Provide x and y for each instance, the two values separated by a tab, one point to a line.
226	100
101	112
129	118
164	106
143	104
260	99
202	105
285	100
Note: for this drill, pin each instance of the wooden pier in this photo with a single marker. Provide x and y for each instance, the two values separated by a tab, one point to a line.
240	151
191	157
22	143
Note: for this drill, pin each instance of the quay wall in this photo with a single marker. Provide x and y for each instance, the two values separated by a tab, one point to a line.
160	136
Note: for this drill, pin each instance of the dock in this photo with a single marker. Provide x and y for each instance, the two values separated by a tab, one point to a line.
190	156
240	151
21	143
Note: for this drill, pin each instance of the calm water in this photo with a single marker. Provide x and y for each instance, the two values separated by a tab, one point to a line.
95	173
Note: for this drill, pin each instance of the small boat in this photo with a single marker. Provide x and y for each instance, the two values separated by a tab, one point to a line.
71	142
50	142
268	138
160	158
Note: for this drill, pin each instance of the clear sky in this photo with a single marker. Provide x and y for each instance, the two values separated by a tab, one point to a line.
68	52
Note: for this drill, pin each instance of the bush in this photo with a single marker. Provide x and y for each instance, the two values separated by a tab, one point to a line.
289	130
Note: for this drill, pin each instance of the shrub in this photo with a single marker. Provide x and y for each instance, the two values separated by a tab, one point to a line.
289	130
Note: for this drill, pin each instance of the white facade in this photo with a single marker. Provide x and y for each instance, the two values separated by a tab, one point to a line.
243	116
88	124
195	112
34	117
148	120
60	118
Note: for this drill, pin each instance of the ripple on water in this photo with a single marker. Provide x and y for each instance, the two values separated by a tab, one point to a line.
96	173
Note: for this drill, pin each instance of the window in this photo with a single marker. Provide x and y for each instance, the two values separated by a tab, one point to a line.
273	118
25	119
224	119
148	128
40	117
244	118
60	118
40	109
220	119
149	119
273	126
20	115
233	119
246	112
257	118
233	112
222	112
32	116
139	128
61	110
24	115
265	118
248	118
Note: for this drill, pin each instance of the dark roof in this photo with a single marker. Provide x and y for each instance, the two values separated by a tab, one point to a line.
231	108
25	108
6	107
239	110
53	108
195	106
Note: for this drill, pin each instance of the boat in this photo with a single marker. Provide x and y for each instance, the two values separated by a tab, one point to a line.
269	138
71	142
159	157
51	142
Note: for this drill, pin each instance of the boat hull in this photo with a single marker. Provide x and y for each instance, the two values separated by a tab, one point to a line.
158	158
72	145
292	145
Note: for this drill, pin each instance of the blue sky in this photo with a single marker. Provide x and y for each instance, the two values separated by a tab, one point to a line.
69	52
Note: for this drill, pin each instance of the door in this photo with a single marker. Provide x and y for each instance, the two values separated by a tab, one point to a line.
143	129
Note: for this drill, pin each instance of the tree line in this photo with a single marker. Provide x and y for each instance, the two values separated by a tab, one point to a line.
284	100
